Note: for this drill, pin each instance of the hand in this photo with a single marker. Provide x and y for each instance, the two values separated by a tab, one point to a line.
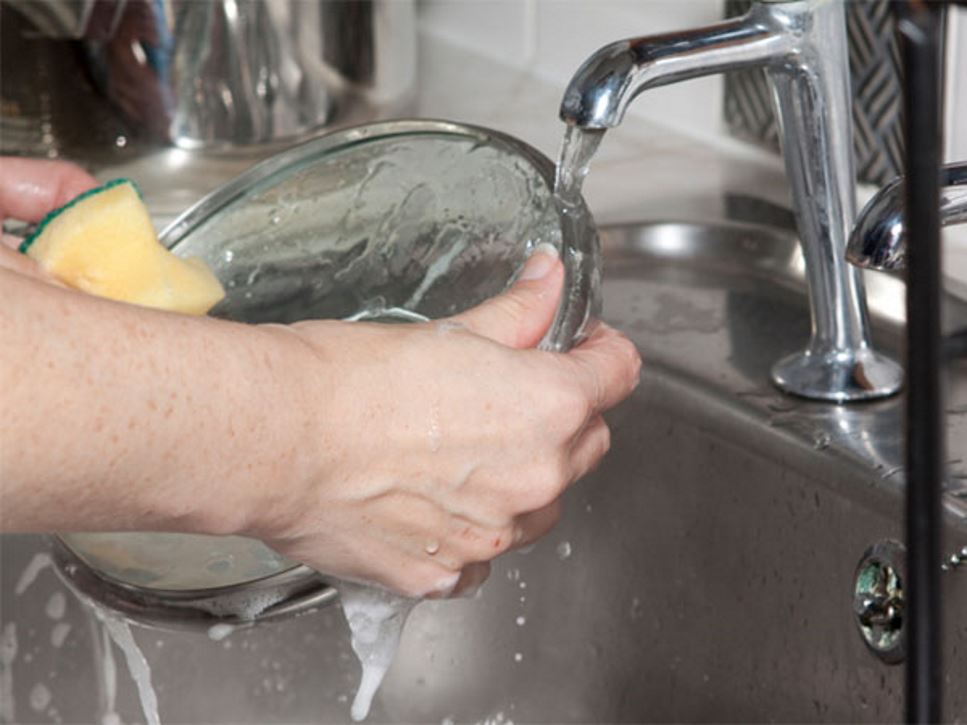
442	445
29	189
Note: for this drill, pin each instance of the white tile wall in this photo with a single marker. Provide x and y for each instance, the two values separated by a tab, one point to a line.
551	38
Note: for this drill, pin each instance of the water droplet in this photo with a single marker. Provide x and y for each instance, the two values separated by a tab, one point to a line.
518	657
218	632
521	621
58	635
228	255
523	585
39	697
121	141
635	611
56	605
432	547
564	550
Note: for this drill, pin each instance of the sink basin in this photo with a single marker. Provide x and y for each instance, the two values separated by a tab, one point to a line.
703	573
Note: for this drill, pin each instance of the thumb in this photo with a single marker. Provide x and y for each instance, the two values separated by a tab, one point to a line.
520	316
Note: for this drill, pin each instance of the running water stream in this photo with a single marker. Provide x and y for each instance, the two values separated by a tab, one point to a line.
578	148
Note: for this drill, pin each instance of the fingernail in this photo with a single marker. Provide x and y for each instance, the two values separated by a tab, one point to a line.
542	261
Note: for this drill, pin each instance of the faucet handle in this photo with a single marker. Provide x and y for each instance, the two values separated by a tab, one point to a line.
879	236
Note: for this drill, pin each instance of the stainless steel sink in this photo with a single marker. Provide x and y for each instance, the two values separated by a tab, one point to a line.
705	572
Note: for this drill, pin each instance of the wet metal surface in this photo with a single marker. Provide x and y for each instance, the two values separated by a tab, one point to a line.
707	568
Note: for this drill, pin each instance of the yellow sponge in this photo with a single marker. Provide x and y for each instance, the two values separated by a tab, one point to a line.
103	243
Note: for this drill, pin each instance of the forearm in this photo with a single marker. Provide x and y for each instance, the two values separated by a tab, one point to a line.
116	417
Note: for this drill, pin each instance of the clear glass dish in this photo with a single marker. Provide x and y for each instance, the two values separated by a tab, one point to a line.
403	220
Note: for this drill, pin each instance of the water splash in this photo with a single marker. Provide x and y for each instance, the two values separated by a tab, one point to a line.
58	635
40	697
118	631
56	605
109	679
36	565
8	655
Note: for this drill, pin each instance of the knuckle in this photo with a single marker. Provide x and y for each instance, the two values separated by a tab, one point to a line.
539	485
555	476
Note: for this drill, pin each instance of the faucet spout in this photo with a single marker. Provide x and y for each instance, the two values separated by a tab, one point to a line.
879	237
599	93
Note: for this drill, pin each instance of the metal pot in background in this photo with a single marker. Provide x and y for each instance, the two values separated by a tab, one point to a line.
83	78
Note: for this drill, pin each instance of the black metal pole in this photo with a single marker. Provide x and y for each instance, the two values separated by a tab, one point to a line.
919	28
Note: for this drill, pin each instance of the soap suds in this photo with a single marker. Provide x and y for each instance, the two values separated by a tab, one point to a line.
219	632
376	618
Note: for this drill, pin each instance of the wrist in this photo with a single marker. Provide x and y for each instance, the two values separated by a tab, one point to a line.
284	415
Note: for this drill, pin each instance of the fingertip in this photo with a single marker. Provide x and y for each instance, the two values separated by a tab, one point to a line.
521	316
542	262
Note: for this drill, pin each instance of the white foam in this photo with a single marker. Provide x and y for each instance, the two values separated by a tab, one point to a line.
376	618
244	605
36	565
218	632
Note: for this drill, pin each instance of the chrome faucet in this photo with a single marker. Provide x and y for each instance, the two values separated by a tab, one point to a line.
802	47
879	237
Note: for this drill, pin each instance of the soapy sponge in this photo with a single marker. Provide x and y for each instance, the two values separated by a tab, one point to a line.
103	243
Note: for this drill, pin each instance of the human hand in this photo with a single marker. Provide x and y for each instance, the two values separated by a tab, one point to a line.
30	189
439	446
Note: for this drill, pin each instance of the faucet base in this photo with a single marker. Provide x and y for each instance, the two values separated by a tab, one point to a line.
838	376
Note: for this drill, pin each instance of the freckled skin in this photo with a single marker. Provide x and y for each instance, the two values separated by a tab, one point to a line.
305	435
